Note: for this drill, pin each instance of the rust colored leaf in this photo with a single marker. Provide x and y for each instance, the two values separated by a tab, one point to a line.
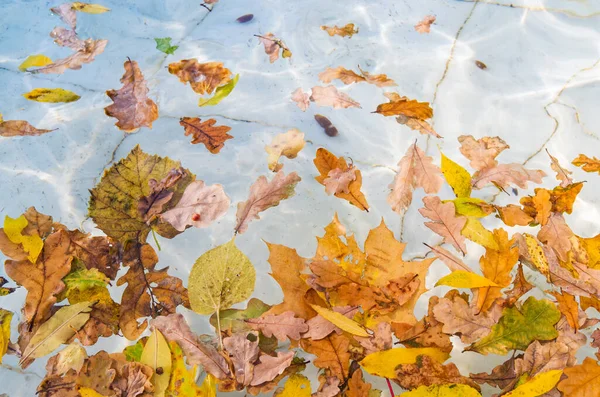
132	107
301	98
325	162
562	175
283	326
149	292
338	180
11	128
96	252
205	132
204	78
401	105
346	76
43	280
460	318
582	380
347	30
357	387
445	221
332	354
482	152
513	215
416	170
520	287
556	233
75	61
586	163
424	25
568	307
428	371
330	96
264	195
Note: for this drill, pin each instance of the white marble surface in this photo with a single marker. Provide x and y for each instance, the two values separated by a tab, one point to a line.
540	91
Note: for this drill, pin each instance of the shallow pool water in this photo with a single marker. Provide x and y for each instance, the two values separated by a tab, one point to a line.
539	91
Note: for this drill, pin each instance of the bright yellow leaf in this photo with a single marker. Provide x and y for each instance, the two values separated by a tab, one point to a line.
5	318
31	244
442	391
341	321
156	355
464	279
475	232
538	258
384	363
457	177
295	386
538	385
209	386
52	95
89	392
89	8
34	60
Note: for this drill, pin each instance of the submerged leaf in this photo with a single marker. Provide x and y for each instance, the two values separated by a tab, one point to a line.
287	144
425	25
221	93
347	30
204	78
87	54
205	132
52	95
445	221
34	60
301	98
330	96
164	45
11	128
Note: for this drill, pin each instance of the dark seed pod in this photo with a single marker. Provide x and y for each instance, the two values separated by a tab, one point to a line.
245	18
481	65
160	370
326	124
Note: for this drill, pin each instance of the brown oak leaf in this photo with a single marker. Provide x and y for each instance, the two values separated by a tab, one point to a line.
562	175
401	105
427	371
132	107
205	132
357	387
11	128
503	175
330	96
270	367
204	78
556	234
243	354
282	326
460	318
445	221
332	354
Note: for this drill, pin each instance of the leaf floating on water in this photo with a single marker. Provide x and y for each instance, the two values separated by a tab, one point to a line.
67	38
338	180
384	363
330	96
588	164
89	8
287	144
270	367
424	26
349	77
401	105
220	278
164	45
341	321
10	128
75	61
301	98
443	391
132	107
272	46
32	244
57	330
67	14
204	78
464	279
562	175
52	95
213	137
34	60
264	195
347	30
283	326
221	93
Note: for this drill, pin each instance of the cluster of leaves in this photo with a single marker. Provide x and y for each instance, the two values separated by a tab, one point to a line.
351	309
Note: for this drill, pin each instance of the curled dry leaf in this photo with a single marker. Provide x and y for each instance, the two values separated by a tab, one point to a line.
75	61
401	105
301	98
424	26
264	195
283	326
132	107
562	175
349	77
347	30
10	128
204	78
416	170
445	221
205	132
330	96
199	206
287	144
272	46
325	162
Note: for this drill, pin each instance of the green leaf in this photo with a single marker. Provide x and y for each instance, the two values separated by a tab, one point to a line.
234	319
134	352
57	330
457	177
51	95
81	278
5	319
165	46
114	201
34	60
220	278
220	93
157	356
518	328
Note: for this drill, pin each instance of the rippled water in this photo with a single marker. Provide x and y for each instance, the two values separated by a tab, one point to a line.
540	91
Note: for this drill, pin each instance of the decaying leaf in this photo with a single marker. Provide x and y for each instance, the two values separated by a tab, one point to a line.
443	391
301	98
157	355
482	152
243	354
445	222
132	107
75	61
286	144
264	195
428	372
462	319
52	95
10	128
425	25
347	30
384	363
326	162
338	180
204	78
348	77
330	96
272	46
562	175
331	352
205	132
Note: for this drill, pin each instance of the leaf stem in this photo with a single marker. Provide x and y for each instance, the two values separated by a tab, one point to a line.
219	328
155	239
390	387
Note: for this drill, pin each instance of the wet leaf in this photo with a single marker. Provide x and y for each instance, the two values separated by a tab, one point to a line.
347	30
87	54
220	278
233	320
443	391
332	353
67	38
32	244
221	93
71	357
132	107
341	321
270	367
568	307
330	96
444	221
205	132
287	144
272	46
243	354
67	14
517	328
582	380
457	177
264	195
57	330
204	78
295	386
324	122
482	152
164	45
282	326
463	279
157	355
52	95
34	61
245	18
383	363
357	387
5	319
504	175
538	385
556	233
325	162
562	175
425	25
475	232
462	319
428	372
301	98
399	105
10	128
586	163
89	8
338	180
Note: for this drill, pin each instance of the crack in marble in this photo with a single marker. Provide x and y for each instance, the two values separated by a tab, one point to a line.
556	101
112	155
537	9
40	77
234	119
